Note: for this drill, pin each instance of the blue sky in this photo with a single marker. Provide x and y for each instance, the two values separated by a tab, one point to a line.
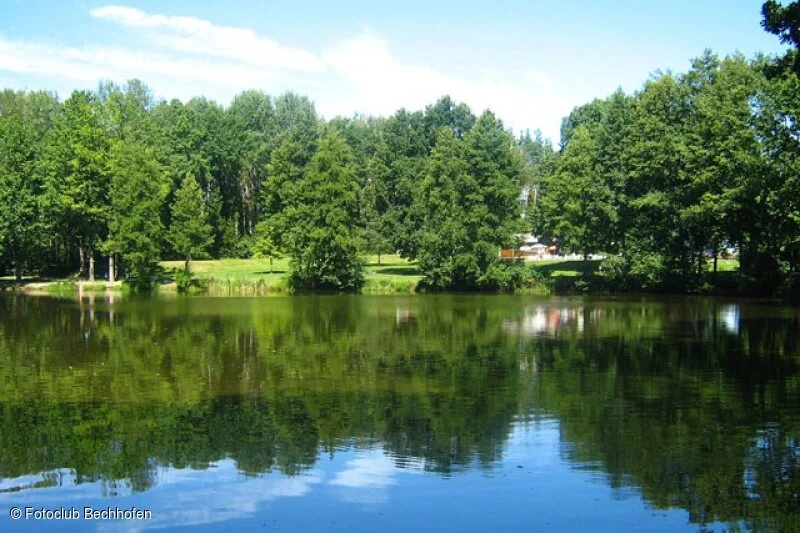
529	61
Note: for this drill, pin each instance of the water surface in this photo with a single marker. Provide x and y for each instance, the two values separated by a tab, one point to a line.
437	413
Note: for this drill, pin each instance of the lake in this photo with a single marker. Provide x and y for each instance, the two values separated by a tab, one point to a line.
424	413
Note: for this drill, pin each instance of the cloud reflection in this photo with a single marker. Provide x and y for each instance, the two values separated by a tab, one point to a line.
367	478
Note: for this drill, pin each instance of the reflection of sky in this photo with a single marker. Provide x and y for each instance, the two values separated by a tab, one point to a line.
729	316
546	320
534	487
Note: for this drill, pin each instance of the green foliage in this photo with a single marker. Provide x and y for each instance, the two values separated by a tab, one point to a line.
20	188
396	169
446	113
539	161
374	234
321	221
76	171
771	252
784	21
578	205
184	279
467	208
232	243
443	242
690	165
189	232
125	111
264	246
286	170
255	112
637	271
138	189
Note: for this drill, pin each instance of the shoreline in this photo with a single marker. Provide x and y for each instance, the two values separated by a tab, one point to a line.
394	275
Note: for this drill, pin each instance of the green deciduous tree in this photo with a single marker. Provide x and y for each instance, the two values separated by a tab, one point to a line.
78	178
771	249
723	151
256	112
578	204
689	164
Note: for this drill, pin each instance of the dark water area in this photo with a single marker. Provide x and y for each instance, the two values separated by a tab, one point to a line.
420	413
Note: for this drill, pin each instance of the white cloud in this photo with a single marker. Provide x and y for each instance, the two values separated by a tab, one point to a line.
380	84
89	64
197	36
31	58
186	56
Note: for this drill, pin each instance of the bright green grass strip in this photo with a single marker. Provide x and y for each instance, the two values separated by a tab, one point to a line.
256	276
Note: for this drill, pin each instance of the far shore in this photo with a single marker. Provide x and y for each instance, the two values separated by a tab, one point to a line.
254	277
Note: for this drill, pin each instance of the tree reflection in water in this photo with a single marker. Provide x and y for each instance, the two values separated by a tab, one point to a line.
694	402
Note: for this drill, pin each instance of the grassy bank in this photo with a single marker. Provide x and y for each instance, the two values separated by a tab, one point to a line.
394	275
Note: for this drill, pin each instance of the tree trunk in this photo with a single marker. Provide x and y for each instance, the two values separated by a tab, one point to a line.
111	267
186	265
716	257
91	265
270	264
82	254
18	270
379	259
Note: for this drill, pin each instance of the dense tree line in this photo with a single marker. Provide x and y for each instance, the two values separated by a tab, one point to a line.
115	175
690	165
662	181
667	178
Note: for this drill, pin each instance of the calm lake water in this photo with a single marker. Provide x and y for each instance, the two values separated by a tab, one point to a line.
421	413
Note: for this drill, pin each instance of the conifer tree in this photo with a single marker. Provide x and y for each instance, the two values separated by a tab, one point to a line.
190	233
138	190
321	220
